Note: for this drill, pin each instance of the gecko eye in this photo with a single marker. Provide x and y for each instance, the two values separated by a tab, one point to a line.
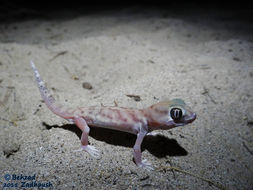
176	113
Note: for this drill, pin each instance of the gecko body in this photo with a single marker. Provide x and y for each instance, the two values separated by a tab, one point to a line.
163	115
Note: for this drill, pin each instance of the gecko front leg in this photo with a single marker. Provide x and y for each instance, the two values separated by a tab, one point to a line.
81	123
137	152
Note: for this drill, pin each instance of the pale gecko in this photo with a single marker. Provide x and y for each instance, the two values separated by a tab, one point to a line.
163	115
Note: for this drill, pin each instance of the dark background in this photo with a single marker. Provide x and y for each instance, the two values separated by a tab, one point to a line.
21	10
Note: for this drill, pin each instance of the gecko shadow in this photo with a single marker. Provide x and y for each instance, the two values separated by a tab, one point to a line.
158	145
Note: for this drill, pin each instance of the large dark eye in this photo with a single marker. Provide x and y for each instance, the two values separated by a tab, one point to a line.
176	113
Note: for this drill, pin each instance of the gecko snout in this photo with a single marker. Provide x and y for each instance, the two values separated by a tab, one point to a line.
190	118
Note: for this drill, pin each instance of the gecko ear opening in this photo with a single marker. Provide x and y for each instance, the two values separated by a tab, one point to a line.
176	114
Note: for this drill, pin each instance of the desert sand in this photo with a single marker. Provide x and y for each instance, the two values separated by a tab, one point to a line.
102	57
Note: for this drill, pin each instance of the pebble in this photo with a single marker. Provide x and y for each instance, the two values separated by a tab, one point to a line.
250	115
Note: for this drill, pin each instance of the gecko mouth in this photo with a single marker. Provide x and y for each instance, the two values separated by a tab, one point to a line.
185	120
190	118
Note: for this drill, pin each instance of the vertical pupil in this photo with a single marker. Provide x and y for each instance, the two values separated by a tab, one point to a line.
176	113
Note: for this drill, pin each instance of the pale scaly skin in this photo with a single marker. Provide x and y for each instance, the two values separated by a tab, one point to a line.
163	115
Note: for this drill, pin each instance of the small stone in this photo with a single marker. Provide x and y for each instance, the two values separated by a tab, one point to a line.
236	59
250	115
87	85
151	61
135	97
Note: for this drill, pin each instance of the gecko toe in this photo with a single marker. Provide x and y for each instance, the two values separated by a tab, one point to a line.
146	165
94	152
153	133
91	150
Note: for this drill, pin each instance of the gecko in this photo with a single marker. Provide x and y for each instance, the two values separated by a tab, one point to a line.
163	115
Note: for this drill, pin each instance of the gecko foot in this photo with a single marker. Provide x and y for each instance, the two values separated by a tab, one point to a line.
91	150
146	165
153	133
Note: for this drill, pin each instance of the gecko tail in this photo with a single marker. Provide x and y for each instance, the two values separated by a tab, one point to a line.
47	97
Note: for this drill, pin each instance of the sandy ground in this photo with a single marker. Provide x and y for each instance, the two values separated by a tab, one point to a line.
204	58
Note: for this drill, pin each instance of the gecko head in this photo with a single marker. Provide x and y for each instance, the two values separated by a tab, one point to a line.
170	114
179	113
